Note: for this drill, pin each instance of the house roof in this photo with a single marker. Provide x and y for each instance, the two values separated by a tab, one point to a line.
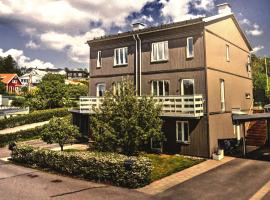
202	20
6	78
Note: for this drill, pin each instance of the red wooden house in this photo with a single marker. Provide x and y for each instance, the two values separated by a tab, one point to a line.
12	83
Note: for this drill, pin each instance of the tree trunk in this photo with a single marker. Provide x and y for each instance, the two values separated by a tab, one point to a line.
62	147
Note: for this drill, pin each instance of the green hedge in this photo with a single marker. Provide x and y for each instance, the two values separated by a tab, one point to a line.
33	117
20	135
103	167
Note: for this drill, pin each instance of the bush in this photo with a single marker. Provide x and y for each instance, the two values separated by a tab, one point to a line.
20	135
18	102
104	167
33	117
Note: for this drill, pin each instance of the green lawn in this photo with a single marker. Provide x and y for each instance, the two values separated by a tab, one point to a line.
165	165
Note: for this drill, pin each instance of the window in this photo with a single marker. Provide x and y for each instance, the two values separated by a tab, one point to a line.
99	59
14	81
120	56
222	95
159	51
182	131
101	87
160	88
116	86
227	53
190	47
248	64
187	87
247	95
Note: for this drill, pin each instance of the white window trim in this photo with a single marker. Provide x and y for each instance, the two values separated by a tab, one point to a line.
163	85
165	56
125	62
97	86
182	85
187	48
222	95
183	129
99	59
227	53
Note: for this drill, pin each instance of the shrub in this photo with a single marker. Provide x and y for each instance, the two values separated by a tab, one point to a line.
20	135
61	131
103	167
125	123
33	117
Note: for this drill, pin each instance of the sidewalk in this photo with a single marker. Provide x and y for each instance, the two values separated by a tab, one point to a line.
163	184
23	127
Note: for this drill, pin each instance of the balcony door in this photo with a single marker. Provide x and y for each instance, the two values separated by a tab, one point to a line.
160	88
187	87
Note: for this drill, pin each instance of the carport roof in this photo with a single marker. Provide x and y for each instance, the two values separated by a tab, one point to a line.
238	119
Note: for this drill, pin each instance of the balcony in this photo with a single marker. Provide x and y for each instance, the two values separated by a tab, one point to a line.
172	106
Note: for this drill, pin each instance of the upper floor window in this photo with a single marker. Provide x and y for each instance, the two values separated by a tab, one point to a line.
227	53
222	95
101	87
160	88
121	56
99	59
160	51
182	131
14	81
190	47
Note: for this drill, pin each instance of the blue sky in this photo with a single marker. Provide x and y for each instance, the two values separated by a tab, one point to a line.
52	33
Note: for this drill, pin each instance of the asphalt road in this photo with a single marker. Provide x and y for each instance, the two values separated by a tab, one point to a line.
20	183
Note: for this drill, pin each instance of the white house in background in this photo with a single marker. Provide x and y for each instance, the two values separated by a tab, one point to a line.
33	77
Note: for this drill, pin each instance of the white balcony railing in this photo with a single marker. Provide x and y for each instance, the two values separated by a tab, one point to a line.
182	106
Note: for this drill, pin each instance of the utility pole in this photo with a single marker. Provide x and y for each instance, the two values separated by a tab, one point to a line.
266	74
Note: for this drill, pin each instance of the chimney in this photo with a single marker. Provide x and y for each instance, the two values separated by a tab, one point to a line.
138	26
224	8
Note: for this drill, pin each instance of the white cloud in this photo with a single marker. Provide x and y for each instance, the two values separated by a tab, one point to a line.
24	61
245	21
180	10
77	49
32	45
257	48
256	31
65	24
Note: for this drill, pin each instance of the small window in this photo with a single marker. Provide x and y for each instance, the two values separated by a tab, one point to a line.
121	56
101	87
222	95
247	95
190	47
14	81
187	87
160	88
227	53
99	59
182	132
159	51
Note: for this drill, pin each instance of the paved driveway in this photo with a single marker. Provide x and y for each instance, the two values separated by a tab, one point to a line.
237	179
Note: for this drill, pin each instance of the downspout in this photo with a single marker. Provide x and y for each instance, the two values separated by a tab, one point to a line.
140	63
136	65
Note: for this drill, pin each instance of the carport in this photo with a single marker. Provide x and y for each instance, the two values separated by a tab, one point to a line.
242	119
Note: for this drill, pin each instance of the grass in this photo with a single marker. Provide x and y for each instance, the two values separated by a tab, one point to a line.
165	165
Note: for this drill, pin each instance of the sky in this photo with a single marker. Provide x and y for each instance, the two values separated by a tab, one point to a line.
53	33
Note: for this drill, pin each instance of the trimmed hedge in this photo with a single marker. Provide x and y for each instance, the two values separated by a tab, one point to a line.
20	135
102	167
33	117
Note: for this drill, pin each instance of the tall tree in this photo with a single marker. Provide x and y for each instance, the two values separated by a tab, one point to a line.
9	65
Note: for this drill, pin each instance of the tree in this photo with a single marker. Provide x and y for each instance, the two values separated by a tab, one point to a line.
125	123
61	131
2	88
75	91
51	90
9	65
